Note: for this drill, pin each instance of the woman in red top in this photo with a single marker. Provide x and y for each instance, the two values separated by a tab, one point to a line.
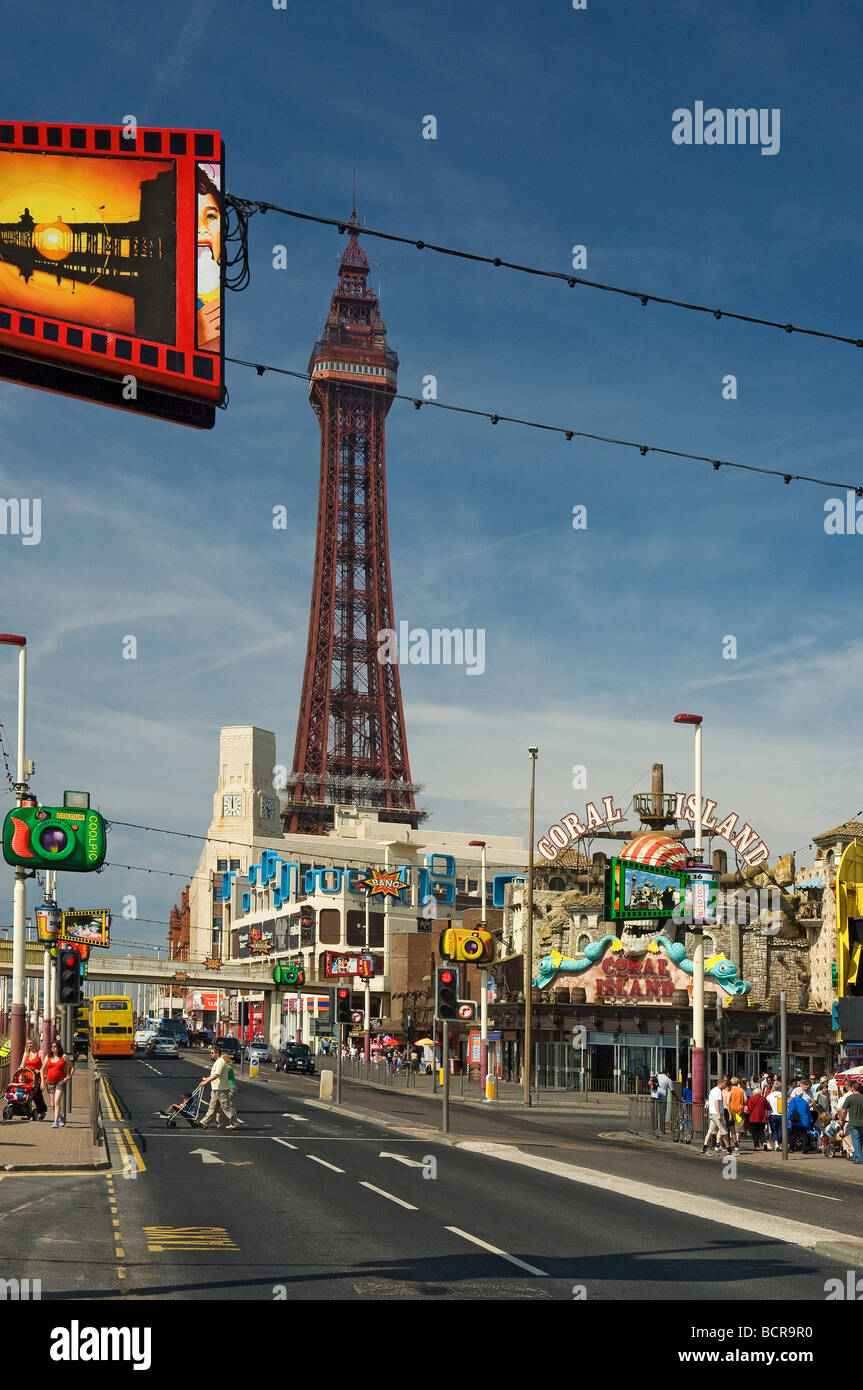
758	1112
55	1074
34	1058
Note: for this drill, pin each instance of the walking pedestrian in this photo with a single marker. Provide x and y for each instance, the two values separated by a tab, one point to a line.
34	1058
757	1112
774	1100
56	1070
717	1127
852	1114
664	1086
220	1090
736	1106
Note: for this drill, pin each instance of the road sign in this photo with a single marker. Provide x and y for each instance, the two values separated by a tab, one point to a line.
466	1010
579	1035
357	1016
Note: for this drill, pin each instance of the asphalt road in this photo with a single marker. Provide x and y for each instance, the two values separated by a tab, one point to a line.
304	1203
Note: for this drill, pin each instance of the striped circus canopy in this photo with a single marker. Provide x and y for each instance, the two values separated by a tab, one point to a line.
660	851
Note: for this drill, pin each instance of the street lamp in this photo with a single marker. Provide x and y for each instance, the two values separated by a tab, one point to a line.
698	954
19	915
527	935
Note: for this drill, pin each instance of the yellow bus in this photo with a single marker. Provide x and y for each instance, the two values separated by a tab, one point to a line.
111	1026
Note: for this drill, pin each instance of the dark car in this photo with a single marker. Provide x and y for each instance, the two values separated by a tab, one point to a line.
231	1047
295	1057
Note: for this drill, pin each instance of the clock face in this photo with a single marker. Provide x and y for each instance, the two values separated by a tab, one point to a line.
232	805
267	808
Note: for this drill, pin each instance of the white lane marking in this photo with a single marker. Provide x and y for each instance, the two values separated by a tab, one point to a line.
783	1188
283	1141
207	1155
681	1203
324	1163
531	1269
304	1118
149	1068
381	1193
401	1158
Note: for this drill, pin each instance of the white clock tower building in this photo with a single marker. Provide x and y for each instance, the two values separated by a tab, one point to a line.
245	821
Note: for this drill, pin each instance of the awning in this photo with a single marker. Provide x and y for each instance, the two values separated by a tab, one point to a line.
810	883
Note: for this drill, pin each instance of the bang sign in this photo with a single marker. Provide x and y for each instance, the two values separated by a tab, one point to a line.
112	266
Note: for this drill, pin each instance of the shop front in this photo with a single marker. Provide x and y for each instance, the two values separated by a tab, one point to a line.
621	1011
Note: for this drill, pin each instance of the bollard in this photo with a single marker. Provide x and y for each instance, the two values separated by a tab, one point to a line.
325	1091
490	1087
254	1066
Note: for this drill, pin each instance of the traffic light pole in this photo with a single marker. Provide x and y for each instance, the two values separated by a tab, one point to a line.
339	1044
444	1127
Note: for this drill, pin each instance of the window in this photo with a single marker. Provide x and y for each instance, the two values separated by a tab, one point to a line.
330	926
459	883
217	892
472	885
583	943
217	923
235	864
356	929
557	884
222	866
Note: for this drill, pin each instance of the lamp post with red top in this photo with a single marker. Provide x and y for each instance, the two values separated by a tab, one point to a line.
19	918
698	1078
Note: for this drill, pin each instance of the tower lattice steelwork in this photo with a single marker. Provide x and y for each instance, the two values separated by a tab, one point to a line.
351	746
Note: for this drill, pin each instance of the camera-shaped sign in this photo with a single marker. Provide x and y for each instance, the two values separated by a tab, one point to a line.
472	944
54	837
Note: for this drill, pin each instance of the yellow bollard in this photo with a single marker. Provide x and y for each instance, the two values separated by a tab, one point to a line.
254	1066
491	1088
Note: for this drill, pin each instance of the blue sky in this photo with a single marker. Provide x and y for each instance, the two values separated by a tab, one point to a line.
554	128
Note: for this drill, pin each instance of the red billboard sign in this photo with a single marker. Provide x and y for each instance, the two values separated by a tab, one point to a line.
112	265
348	963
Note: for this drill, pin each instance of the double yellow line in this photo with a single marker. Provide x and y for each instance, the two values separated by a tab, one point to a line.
131	1157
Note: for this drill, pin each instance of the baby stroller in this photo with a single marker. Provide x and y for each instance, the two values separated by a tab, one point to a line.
189	1107
802	1139
836	1142
19	1098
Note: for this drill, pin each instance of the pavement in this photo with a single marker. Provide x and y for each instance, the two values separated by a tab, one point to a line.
369	1201
33	1144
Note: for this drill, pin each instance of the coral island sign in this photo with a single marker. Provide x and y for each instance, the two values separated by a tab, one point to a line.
608	971
570	828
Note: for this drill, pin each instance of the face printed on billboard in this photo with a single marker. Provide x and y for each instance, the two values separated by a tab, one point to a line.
209	302
90	239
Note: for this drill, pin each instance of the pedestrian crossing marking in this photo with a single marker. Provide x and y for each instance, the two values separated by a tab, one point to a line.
161	1238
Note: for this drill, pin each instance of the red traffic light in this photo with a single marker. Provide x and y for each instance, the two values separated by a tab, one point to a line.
446	977
343	993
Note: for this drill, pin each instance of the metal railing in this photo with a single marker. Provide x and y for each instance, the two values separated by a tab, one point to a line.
465	1084
675	1119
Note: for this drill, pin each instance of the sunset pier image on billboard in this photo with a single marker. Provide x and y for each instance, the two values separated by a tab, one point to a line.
90	239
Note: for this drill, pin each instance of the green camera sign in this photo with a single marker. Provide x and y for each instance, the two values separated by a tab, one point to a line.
52	837
288	974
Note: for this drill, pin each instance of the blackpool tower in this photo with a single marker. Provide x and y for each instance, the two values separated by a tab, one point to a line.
350	747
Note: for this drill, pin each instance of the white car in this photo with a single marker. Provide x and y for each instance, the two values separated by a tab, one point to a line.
143	1036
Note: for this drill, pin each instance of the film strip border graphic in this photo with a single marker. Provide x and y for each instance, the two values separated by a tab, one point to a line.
117	140
115	349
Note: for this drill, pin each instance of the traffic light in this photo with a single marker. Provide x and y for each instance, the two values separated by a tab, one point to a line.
344	1005
81	1018
834	1023
54	837
770	1039
446	993
243	1012
68	976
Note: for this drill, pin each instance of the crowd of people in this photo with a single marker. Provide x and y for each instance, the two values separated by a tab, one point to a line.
818	1112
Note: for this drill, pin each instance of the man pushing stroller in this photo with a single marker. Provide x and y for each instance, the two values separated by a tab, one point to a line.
220	1078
